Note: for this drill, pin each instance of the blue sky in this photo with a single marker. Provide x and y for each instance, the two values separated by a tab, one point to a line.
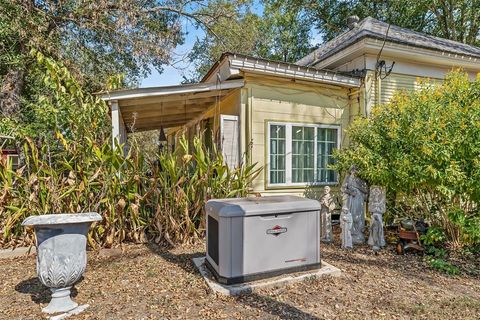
172	74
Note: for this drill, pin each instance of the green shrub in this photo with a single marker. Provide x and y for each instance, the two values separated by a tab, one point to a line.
442	265
424	146
434	237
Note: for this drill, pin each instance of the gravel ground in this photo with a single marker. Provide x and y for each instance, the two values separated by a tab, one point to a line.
151	282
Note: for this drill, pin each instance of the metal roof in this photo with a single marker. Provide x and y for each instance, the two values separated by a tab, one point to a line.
373	28
263	66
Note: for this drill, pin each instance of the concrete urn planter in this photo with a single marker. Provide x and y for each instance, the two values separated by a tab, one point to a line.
61	254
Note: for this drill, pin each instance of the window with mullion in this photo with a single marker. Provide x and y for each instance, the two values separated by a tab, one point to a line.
300	154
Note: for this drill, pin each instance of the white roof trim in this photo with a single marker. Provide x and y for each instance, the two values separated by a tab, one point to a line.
416	54
169	90
293	71
233	63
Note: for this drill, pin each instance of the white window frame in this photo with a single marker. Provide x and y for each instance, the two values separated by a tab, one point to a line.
288	153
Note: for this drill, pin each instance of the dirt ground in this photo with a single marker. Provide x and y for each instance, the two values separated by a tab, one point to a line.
151	282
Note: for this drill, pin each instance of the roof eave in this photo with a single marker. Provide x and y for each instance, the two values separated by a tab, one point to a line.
362	45
363	35
169	90
232	64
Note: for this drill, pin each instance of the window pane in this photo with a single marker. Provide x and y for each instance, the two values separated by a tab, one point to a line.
309	161
321	148
281	148
297	133
273	176
296	147
309	149
273	146
308	133
273	163
277	154
330	134
308	175
320	134
273	132
281	162
331	175
281	176
330	148
277	131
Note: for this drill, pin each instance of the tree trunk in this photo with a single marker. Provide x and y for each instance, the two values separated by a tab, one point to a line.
11	92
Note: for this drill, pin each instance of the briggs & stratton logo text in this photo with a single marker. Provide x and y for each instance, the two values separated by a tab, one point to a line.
276	230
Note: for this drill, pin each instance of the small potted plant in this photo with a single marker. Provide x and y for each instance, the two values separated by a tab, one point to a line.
61	253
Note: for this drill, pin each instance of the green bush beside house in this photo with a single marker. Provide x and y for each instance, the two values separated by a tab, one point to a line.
424	146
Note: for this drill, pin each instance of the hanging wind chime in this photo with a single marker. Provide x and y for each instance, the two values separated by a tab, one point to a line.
162	138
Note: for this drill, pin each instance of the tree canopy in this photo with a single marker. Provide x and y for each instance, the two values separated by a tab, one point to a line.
93	39
454	20
280	33
286	29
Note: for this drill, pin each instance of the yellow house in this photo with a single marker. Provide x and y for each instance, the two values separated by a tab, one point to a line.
288	118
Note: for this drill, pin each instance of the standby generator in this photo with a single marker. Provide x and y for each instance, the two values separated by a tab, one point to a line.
259	237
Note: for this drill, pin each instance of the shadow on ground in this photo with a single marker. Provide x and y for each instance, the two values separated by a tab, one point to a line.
273	307
253	300
37	291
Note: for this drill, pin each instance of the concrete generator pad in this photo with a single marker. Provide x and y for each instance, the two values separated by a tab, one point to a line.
17	252
248	287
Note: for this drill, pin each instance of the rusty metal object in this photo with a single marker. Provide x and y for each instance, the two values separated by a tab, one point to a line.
408	240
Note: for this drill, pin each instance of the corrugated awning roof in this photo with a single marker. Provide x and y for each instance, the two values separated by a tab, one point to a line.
151	108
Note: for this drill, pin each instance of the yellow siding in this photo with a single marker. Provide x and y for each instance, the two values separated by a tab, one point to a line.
291	102
229	105
394	83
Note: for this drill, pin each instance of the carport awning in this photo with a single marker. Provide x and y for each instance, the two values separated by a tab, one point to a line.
151	108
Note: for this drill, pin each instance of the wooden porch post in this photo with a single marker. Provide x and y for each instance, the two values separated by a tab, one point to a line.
119	133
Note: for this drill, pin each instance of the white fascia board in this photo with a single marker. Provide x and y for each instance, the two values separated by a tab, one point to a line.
347	54
432	56
261	66
179	89
392	49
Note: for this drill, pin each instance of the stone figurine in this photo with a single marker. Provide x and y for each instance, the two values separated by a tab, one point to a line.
328	205
61	254
355	191
376	206
346	225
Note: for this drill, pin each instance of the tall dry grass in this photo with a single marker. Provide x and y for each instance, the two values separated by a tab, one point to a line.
138	200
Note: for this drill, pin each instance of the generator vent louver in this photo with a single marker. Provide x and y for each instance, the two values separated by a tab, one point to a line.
212	245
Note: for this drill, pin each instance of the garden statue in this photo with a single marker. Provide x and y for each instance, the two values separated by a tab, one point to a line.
354	192
328	204
376	206
346	225
61	254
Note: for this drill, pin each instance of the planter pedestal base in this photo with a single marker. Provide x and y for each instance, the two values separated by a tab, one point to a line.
61	301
